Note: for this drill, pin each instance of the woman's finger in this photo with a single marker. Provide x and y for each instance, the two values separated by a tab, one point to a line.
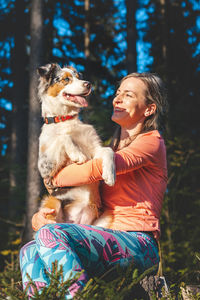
46	211
50	222
39	219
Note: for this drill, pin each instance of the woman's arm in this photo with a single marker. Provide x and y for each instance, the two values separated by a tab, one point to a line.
139	153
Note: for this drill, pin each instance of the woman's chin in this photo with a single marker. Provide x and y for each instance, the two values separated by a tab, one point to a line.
117	118
114	119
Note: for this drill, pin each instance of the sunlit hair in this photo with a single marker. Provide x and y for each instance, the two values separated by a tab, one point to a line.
155	93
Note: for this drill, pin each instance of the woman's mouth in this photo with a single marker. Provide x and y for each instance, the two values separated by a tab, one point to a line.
118	109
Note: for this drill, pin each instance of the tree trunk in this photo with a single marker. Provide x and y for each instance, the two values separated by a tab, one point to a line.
87	30
18	143
33	176
87	62
131	57
164	4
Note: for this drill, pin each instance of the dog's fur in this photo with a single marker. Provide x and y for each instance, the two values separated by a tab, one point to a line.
62	92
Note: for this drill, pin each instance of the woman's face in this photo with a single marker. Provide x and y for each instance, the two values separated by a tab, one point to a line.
129	107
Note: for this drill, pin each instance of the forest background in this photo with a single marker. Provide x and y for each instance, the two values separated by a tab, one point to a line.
105	40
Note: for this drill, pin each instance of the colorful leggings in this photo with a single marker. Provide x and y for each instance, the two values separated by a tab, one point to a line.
84	247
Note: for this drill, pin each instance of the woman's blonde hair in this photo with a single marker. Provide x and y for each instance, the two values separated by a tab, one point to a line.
155	93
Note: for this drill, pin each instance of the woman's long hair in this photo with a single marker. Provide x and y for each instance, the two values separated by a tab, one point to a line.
155	93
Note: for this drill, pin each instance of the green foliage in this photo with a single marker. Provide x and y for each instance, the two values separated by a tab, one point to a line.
180	224
57	287
116	284
10	226
10	279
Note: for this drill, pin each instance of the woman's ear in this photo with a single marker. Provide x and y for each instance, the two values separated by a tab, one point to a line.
150	110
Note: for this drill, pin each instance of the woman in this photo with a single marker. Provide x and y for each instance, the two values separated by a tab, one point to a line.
133	203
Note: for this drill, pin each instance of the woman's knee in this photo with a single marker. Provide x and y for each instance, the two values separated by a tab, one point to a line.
26	247
51	234
27	252
44	234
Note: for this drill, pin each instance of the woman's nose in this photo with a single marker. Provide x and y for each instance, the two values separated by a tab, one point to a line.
117	99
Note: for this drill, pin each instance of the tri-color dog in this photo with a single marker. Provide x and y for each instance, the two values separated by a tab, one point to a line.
65	139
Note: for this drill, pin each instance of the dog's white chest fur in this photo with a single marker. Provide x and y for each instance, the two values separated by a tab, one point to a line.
67	142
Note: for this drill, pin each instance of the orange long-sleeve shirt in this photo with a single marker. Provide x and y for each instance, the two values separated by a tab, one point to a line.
135	201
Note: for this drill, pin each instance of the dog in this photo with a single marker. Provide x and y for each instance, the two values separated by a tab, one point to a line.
64	140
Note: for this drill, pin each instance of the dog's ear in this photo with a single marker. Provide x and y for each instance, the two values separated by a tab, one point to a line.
48	71
79	75
71	68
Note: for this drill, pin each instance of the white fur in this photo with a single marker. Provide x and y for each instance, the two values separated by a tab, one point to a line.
71	141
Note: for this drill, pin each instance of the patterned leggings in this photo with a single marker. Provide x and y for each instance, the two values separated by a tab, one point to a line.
83	247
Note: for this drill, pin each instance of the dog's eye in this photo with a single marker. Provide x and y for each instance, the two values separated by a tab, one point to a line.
66	79
57	79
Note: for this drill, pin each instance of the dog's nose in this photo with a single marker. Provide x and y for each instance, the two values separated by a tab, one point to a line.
87	84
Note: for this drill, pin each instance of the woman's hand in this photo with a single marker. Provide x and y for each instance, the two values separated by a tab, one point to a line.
39	219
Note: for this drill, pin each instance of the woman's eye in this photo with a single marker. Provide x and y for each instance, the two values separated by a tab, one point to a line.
129	95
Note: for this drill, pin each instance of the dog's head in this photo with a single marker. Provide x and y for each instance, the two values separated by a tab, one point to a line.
64	85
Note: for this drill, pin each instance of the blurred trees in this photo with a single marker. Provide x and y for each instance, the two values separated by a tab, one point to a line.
173	32
101	38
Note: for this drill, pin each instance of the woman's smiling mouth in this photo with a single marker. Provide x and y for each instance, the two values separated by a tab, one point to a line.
119	109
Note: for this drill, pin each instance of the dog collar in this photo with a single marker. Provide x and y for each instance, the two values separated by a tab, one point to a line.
57	119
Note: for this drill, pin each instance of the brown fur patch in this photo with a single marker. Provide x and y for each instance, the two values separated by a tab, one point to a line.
67	75
71	68
53	203
55	89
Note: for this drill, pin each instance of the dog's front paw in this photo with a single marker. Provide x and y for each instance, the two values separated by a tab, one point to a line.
109	176
108	164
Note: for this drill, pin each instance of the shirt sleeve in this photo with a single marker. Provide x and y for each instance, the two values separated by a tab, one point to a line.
139	153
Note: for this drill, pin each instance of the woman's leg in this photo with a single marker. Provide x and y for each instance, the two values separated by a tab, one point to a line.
56	243
94	249
31	264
